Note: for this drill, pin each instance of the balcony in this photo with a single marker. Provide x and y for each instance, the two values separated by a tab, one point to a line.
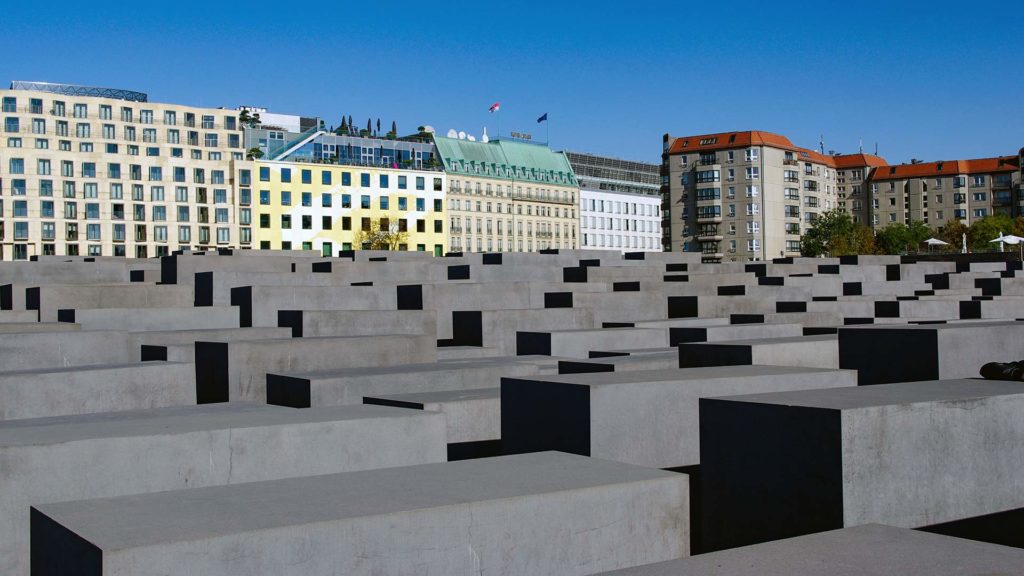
791	179
791	162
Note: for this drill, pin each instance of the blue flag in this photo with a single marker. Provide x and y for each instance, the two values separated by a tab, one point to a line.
542	118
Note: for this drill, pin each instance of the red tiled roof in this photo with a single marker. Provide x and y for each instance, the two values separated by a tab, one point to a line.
726	140
947	168
843	161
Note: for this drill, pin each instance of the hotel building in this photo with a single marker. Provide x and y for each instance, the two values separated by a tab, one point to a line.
508	196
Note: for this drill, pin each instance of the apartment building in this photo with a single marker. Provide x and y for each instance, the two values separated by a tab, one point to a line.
939	192
508	196
739	196
329	207
620	203
104	172
853	172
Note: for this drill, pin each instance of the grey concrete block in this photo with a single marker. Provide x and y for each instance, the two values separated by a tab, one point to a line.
45	392
238	370
869	550
807	351
883	354
647	418
472	415
29	351
530	514
909	455
351	385
104	455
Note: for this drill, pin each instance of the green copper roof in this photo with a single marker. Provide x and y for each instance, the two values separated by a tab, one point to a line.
505	160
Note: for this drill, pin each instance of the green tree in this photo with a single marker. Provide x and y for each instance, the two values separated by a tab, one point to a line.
989	228
953	233
863	240
377	237
893	239
832	233
254	154
917	233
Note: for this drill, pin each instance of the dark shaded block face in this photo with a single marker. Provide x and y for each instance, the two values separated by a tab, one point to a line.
767	472
288	391
583	367
57	551
290	319
1004	528
242	297
467	328
880	356
746	319
322	267
790	307
533	344
492	259
558	299
732	290
704	355
211	372
682	307
574	274
410	297
537	416
625	287
203	289
458	272
852	289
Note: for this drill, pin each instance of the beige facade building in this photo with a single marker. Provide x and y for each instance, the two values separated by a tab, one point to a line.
938	192
104	172
741	196
506	196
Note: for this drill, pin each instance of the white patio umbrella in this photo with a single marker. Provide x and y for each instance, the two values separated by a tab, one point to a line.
935	242
1015	240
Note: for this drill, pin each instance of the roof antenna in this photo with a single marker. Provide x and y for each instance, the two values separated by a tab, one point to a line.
821	143
861	146
876	148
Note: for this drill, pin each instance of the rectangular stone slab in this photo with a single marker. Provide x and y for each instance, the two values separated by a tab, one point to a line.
351	385
911	454
644	417
472	415
885	354
869	550
46	392
808	351
237	371
102	455
547	513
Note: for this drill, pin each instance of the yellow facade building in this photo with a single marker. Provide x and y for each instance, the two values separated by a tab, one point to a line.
329	207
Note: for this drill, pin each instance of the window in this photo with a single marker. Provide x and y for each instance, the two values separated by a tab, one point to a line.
264	220
264	174
264	197
183	215
980	212
420	205
10	104
346	178
364	201
364	180
286	222
402	183
752	192
325	177
286	175
346	201
751	154
437	185
753	227
383	180
307	222
286	198
307	199
753	245
753	173
420	183
753	209
325	200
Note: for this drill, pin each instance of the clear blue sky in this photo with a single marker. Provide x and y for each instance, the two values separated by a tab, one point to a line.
930	80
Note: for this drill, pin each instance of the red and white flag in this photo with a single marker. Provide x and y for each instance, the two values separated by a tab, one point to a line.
494	107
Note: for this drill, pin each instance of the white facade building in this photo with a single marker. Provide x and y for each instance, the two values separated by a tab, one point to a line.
616	221
620	203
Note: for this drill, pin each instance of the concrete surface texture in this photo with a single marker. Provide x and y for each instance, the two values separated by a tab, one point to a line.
475	516
219	412
869	550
